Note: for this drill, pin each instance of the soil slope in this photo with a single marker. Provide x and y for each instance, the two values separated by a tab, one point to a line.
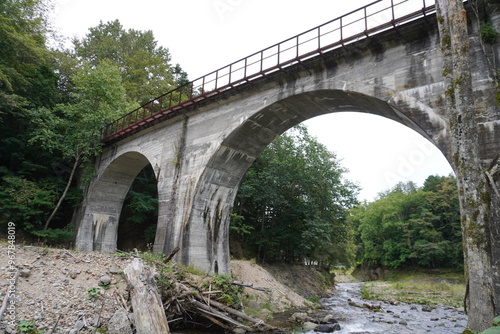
54	287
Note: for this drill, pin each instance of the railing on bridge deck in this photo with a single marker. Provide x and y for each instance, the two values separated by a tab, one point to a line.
366	21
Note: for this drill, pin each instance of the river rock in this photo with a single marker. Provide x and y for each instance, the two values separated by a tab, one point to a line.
25	273
309	326
329	319
300	317
426	308
119	323
327	328
105	280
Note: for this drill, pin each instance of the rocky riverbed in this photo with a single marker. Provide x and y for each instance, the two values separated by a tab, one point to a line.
358	316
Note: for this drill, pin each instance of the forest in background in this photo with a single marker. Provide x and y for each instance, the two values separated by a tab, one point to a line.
294	204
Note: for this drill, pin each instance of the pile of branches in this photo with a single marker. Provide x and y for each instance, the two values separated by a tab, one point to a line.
204	302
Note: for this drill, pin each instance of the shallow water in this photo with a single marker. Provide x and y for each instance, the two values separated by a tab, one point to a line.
394	319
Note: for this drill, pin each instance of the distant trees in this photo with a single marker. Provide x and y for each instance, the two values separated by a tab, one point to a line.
292	204
411	226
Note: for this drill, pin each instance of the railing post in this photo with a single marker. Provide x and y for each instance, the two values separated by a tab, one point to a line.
245	68
392	9
341	33
297	45
279	53
366	19
319	38
262	61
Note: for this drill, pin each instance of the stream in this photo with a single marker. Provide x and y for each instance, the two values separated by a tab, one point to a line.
393	319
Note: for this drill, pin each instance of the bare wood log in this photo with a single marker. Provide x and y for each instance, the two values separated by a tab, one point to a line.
149	315
251	286
237	313
211	311
172	254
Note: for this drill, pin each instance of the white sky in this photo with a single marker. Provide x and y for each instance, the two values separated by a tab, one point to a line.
204	35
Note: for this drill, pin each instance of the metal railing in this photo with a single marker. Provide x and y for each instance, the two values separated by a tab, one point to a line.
359	24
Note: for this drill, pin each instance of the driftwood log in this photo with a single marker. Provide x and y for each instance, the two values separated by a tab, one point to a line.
149	315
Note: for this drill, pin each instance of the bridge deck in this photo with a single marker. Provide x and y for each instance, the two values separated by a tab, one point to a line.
359	24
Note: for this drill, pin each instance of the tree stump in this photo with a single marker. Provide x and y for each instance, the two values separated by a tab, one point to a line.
149	315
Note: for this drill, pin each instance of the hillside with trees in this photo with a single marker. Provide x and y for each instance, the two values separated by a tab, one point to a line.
53	104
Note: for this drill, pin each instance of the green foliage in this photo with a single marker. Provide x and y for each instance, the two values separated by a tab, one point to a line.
294	201
145	68
140	211
28	327
229	293
488	33
93	293
56	236
411	226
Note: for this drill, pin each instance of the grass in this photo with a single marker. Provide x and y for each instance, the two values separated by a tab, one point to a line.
418	287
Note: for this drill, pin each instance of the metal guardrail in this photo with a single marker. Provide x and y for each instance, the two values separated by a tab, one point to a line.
359	24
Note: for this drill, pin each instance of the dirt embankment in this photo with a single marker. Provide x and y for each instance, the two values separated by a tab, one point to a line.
60	286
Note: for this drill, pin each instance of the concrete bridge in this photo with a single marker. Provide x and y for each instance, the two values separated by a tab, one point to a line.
200	139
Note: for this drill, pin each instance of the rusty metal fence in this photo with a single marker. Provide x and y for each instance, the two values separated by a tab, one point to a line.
366	21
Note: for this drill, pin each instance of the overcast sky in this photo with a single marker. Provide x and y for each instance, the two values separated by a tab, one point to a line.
204	35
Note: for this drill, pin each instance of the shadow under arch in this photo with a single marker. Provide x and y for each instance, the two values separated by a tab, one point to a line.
219	182
99	227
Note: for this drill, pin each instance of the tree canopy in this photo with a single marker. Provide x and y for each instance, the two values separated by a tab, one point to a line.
294	200
411	226
146	67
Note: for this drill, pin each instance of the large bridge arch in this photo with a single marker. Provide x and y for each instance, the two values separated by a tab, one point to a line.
99	227
207	232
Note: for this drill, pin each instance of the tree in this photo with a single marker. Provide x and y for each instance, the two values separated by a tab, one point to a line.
145	67
28	186
73	129
294	201
411	226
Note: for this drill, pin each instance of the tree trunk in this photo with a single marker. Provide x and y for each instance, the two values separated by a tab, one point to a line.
474	191
63	195
149	315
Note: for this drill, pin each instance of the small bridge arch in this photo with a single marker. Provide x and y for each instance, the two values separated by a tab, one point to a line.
99	228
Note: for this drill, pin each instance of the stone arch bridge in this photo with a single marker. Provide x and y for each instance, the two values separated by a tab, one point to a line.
200	139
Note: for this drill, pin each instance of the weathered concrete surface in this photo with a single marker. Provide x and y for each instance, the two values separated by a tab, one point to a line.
200	157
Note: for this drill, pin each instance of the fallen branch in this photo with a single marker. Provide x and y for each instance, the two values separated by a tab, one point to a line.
251	286
172	254
212	312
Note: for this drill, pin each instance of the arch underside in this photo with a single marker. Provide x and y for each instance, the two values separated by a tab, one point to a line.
220	180
99	228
